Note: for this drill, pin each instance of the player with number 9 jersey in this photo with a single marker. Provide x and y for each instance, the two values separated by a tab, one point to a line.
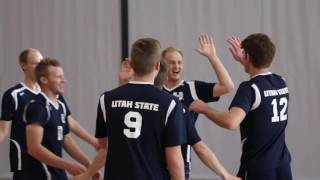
139	120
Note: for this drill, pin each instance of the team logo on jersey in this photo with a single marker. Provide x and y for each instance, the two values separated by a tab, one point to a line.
63	118
178	95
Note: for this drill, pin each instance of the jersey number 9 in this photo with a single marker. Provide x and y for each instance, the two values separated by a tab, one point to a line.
133	120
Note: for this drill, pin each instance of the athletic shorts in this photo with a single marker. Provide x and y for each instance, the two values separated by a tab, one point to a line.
280	173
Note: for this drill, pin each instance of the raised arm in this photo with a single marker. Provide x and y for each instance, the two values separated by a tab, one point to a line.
235	48
175	162
125	72
207	49
230	119
34	133
79	131
207	156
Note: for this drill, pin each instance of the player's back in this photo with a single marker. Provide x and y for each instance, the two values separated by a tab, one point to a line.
141	120
263	129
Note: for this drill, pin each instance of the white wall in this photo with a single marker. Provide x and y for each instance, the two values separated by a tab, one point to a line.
294	27
85	36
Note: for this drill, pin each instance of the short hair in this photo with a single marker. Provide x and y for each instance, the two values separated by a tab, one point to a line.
42	69
161	76
23	57
171	49
145	53
260	48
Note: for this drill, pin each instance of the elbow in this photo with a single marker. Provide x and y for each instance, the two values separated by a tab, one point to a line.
229	87
231	126
32	151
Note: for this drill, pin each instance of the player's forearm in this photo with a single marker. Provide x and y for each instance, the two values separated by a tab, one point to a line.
98	162
222	74
4	129
72	148
207	156
79	131
42	154
222	119
175	163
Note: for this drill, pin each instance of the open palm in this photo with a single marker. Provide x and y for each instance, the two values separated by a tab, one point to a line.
207	47
235	48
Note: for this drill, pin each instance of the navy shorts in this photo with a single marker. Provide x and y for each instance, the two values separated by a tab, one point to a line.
17	175
280	173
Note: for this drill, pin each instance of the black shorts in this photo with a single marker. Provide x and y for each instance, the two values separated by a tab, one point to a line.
18	175
280	173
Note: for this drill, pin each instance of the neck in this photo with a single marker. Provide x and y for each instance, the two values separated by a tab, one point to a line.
31	84
255	71
146	78
172	83
51	95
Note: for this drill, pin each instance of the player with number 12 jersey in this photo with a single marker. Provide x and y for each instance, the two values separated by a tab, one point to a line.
265	99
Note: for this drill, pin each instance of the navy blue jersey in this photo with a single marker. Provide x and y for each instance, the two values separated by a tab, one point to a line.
52	117
265	99
139	121
13	102
13	107
192	138
187	92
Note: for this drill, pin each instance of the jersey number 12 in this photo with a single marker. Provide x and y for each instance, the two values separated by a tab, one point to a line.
283	102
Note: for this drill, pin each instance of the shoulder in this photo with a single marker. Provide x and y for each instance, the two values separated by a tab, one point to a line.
12	89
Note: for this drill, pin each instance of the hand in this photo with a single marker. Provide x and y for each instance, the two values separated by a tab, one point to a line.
96	144
83	176
235	48
198	106
75	168
126	72
207	47
97	176
230	177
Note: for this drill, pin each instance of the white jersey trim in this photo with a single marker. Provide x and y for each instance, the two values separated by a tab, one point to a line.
257	101
261	74
14	95
18	152
171	107
46	170
64	111
34	92
175	87
193	91
54	104
103	108
188	153
140	82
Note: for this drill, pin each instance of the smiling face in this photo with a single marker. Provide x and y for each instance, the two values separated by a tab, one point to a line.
55	79
174	64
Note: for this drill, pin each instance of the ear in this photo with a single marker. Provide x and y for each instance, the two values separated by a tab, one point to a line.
157	66
130	62
43	80
23	66
247	58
